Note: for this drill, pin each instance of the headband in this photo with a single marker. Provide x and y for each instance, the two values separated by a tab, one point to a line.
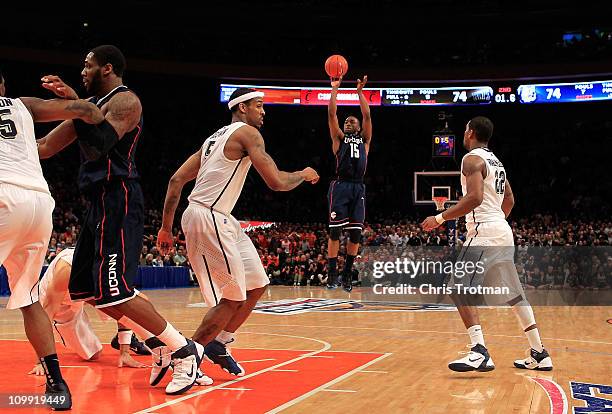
244	98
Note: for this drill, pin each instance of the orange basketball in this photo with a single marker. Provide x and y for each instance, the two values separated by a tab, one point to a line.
336	66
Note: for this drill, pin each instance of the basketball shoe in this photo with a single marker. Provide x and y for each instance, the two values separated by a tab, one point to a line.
57	396
161	356
217	353
539	361
478	359
185	361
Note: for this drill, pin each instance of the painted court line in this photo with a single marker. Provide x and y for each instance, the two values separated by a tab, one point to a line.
235	389
419	331
320	356
324	386
326	346
284	370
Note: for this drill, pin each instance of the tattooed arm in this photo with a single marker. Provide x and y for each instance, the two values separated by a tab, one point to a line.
61	109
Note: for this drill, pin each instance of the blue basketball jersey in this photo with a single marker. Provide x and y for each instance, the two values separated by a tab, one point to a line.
351	158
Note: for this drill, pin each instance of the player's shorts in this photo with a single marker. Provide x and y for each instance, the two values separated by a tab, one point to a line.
72	327
222	256
25	230
490	248
108	250
346	201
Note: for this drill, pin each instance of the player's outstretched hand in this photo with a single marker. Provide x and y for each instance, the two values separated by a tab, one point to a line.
310	175
429	223
362	83
335	82
37	370
126	360
164	241
56	85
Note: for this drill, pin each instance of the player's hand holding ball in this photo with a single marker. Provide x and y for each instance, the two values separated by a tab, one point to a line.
56	85
164	241
310	175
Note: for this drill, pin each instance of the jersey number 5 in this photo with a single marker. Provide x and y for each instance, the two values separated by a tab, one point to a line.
500	182
354	150
8	130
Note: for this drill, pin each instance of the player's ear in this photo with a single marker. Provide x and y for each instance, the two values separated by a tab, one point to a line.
107	69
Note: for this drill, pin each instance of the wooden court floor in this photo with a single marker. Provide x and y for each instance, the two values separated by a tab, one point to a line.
311	350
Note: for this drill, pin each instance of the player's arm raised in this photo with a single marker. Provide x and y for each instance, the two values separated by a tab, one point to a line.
475	170
332	118
508	202
187	172
122	115
366	122
253	143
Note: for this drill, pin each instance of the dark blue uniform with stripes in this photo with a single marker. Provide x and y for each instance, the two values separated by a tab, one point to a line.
346	195
108	250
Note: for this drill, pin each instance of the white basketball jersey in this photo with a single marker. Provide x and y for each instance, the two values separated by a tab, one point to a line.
220	180
19	162
494	186
65	255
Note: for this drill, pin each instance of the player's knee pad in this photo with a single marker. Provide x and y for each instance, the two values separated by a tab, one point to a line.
355	236
334	233
524	313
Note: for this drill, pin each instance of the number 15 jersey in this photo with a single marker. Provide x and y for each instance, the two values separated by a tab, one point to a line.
351	158
494	186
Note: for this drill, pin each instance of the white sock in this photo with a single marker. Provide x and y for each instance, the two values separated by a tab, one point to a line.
125	337
141	332
533	336
226	337
475	333
172	338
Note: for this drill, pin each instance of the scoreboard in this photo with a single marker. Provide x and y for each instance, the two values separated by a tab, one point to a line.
509	93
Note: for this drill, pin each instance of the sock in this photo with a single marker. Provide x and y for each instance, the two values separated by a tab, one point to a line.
50	364
172	338
333	267
226	337
348	266
124	336
533	336
139	330
153	342
475	333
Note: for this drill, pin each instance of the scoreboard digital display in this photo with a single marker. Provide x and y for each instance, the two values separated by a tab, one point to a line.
438	96
509	93
443	145
565	92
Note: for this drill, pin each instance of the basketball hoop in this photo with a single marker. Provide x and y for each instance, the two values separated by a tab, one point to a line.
440	201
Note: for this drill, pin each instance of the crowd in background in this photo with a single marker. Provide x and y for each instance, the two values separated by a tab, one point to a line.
296	254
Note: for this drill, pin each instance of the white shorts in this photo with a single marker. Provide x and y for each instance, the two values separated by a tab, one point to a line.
25	229
72	327
224	259
492	245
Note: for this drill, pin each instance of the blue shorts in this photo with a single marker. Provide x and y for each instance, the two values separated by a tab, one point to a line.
346	202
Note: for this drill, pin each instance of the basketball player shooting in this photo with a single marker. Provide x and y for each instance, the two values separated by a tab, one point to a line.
346	195
487	202
225	261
